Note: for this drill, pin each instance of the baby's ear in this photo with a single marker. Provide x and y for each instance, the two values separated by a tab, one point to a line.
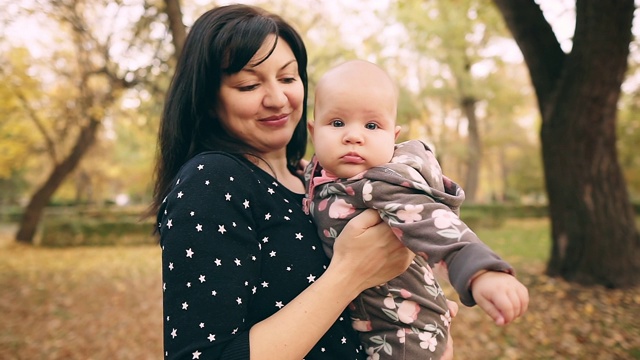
397	132
310	125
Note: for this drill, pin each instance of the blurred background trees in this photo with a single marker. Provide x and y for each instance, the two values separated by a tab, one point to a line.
82	84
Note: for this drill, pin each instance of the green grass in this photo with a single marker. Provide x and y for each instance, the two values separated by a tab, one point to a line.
519	240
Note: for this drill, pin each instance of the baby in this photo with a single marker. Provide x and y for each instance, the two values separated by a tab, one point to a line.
356	166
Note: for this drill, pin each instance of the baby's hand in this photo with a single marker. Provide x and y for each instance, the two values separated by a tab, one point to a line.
500	295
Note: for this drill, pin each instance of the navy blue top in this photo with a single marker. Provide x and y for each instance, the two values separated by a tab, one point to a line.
236	247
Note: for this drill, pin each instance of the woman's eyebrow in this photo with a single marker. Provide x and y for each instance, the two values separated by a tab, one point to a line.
250	68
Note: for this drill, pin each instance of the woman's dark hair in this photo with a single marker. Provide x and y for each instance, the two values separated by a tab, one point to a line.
221	42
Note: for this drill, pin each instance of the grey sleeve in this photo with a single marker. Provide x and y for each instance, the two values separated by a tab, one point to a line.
430	228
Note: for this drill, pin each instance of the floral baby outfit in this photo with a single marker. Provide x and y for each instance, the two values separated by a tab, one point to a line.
407	317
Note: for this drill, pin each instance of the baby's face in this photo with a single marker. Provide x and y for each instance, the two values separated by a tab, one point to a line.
354	128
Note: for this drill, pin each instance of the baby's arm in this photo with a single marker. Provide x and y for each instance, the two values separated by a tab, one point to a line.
500	295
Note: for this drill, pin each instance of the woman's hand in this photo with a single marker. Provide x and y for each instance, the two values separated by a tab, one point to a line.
453	310
368	253
302	164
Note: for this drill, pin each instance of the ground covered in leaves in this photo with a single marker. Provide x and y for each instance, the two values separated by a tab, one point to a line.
105	303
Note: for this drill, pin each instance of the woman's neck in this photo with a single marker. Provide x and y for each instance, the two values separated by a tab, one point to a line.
277	167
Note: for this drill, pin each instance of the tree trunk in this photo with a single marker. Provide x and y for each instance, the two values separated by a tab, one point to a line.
594	237
176	26
34	210
474	153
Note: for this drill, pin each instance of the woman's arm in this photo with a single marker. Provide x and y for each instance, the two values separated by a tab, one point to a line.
366	254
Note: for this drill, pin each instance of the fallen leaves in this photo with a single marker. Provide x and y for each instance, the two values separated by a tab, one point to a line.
105	303
564	321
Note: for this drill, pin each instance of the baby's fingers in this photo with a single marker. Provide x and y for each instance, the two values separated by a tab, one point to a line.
491	309
517	302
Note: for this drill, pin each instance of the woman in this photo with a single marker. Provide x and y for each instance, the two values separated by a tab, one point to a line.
244	274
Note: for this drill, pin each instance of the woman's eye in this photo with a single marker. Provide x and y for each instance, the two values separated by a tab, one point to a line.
248	87
288	80
371	126
337	123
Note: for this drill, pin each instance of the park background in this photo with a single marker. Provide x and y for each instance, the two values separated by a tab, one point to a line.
82	85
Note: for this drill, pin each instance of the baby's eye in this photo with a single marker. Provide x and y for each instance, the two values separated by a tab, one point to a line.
337	123
371	126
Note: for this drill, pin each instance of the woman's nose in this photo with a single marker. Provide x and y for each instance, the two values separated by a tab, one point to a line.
274	97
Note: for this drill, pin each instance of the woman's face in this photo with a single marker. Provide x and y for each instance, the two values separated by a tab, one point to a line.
262	104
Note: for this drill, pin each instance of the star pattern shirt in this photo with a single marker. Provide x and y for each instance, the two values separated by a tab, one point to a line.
236	248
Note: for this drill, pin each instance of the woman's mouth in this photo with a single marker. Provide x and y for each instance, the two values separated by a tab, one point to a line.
276	120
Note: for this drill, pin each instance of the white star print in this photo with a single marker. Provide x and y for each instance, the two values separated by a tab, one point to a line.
311	278
174	333
201	325
192	213
288	268
299	236
201	278
199	227
170	266
207	182
272	254
267	216
164	286
190	253
253	257
265	239
287	218
279	304
185	306
200	167
196	355
221	229
227	197
246	203
169	223
231	178
254	290
237	261
343	340
218	262
178	182
214	293
265	284
270	191
180	195
239	301
211	338
234	331
189	284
